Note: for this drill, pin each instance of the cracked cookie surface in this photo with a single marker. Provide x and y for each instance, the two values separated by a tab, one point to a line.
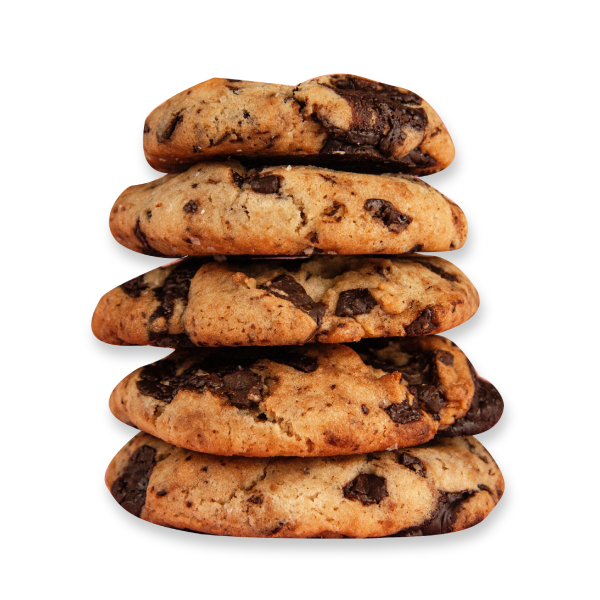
224	208
333	299
443	486
338	121
313	400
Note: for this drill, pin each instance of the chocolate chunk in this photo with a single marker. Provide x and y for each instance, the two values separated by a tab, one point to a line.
485	411
429	395
164	340
412	462
402	412
369	489
422	325
300	362
364	409
167	131
134	287
355	302
381	117
242	387
287	288
445	357
129	490
415	248
393	219
176	287
146	247
265	184
439	271
449	504
255	499
190	207
161	493
146	128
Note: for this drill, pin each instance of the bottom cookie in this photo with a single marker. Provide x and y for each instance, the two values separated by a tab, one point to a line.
442	486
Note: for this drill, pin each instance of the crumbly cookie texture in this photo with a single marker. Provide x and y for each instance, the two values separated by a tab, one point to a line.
443	486
339	121
314	400
224	208
333	299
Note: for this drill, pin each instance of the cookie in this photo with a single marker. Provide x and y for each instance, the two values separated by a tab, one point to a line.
223	208
333	299
338	121
313	400
446	485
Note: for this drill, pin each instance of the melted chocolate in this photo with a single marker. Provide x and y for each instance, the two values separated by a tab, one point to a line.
383	210
287	288
146	247
449	504
355	302
485	410
129	490
381	117
368	489
134	287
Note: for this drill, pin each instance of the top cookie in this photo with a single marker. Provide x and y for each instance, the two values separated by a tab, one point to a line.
338	121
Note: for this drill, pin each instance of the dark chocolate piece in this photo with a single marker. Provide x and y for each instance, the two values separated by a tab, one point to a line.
383	210
287	288
165	133
129	490
265	184
412	462
176	287
422	325
134	287
146	247
381	117
449	504
485	411
439	271
355	302
403	412
368	489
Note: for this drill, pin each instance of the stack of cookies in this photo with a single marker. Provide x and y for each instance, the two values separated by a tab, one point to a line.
308	395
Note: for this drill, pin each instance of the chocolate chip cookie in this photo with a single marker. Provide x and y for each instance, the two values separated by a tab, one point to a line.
337	121
334	299
224	208
443	486
313	400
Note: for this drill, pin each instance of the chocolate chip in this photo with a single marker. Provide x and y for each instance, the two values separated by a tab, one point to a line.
429	395
402	412
243	388
149	214
416	159
134	287
422	325
167	131
300	362
146	128
364	409
265	184
255	499
368	489
445	357
164	340
287	288
383	210
355	302
412	462
415	248
439	271
129	489
161	493
190	207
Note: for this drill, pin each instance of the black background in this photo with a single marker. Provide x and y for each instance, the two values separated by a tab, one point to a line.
477	180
